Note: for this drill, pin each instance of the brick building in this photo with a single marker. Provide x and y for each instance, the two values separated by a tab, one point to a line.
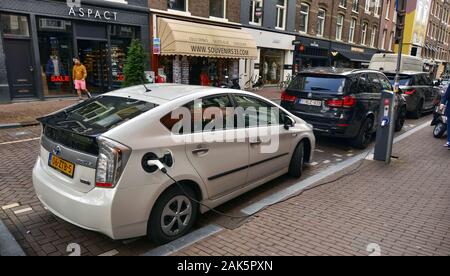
339	33
386	39
436	49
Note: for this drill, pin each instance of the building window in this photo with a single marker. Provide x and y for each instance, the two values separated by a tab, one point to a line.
272	65
388	9
351	37
364	34
304	18
373	36
383	43
256	12
343	3
321	22
355	6
178	5
15	25
217	8
281	14
391	41
377	8
339	26
367	6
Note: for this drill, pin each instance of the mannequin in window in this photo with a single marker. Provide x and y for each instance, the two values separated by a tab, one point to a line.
54	65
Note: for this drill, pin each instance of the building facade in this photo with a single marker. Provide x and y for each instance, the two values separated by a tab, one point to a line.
199	42
386	39
436	48
342	33
40	38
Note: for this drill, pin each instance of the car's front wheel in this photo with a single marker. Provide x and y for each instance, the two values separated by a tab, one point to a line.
400	122
173	215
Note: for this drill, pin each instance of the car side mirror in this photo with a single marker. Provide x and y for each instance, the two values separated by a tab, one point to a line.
288	123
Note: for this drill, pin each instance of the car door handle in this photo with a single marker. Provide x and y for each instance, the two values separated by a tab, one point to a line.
200	151
256	143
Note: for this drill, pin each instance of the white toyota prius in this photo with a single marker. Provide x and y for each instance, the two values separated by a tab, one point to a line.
146	160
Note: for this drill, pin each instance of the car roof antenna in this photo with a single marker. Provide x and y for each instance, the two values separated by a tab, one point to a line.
146	88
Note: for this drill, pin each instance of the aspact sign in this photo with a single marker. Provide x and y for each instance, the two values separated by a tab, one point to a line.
93	13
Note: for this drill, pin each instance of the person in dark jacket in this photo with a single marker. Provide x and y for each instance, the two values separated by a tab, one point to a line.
445	103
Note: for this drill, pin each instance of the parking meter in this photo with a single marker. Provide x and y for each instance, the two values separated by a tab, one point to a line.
386	127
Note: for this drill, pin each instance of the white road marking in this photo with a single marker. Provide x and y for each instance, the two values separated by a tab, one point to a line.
20	141
338	160
327	162
10	206
314	164
337	155
318	150
21	211
350	154
109	253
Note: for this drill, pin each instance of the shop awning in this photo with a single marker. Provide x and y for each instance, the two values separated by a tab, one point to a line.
194	39
356	57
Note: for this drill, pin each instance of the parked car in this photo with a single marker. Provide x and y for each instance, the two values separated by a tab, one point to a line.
419	91
93	168
341	103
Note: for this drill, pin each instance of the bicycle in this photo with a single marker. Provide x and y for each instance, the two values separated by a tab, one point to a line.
285	84
255	83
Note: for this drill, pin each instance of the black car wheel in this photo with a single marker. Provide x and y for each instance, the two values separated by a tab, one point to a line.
297	162
173	215
401	118
439	130
364	137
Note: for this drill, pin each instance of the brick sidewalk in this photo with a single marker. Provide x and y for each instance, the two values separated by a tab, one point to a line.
27	112
404	208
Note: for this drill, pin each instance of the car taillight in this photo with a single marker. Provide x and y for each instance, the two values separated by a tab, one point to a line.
112	160
346	102
410	92
287	98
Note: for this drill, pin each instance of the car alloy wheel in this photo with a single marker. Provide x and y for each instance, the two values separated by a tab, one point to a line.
176	216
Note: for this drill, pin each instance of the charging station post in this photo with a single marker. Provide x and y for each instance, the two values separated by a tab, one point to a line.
386	128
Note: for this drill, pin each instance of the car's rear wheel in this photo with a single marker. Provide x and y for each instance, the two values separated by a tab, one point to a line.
400	122
297	161
418	112
439	130
173	215
364	137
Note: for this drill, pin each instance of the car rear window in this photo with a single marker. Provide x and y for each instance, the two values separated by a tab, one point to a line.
404	80
98	115
318	83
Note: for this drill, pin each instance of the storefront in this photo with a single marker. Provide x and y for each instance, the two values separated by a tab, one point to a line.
350	56
40	39
275	57
199	54
311	53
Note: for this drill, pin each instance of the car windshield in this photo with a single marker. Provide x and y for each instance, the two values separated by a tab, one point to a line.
316	83
404	80
98	115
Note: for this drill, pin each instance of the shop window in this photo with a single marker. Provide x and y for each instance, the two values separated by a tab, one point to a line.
178	5
15	25
272	64
217	8
121	37
56	54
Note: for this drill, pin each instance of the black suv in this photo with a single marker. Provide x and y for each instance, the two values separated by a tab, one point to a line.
419	91
341	103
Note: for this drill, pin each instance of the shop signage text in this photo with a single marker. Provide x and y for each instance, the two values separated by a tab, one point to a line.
357	50
57	79
92	13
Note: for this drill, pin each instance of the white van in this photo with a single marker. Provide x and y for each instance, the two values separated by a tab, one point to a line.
388	62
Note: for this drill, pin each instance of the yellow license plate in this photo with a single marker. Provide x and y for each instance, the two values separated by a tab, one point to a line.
62	165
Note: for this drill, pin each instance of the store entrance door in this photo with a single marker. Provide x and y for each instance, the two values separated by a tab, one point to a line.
94	56
20	67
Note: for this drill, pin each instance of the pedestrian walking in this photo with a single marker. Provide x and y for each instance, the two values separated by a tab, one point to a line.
445	104
79	77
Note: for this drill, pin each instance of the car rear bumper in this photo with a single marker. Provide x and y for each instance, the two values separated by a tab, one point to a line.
327	126
91	211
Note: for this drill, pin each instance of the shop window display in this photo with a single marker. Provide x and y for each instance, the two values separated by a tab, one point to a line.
121	37
55	47
198	70
272	64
